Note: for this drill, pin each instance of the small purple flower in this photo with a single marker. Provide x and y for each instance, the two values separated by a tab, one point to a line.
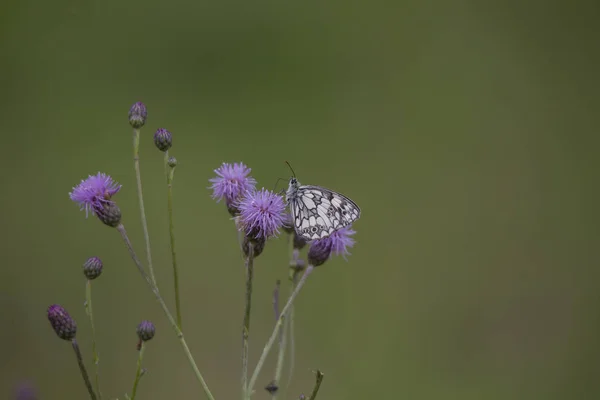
92	268
93	193
232	182
25	391
62	323
262	213
336	243
163	140
138	114
146	330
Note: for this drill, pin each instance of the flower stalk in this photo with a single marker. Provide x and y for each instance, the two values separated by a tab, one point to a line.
277	328
138	179
170	172
138	372
246	327
90	312
166	311
84	374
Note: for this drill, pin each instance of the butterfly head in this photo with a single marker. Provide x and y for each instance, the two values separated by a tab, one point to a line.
292	188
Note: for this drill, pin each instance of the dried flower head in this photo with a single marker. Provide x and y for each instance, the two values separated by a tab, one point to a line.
137	115
262	213
93	193
146	330
92	268
337	243
163	139
62	323
231	182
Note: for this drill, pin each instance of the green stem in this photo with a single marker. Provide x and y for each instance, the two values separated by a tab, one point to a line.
170	172
165	309
138	372
246	328
84	374
138	178
313	395
283	337
278	325
90	313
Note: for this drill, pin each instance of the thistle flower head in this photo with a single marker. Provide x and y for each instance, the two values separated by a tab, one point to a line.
146	330
25	391
137	115
92	268
163	139
231	182
262	213
336	243
62	323
93	193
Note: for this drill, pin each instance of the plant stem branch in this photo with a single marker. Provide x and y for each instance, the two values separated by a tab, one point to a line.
138	372
165	309
138	178
90	313
170	172
278	325
319	378
246	328
84	374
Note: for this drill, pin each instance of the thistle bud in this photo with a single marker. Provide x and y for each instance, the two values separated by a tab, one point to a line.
62	323
172	162
258	245
163	139
92	268
146	330
109	214
137	115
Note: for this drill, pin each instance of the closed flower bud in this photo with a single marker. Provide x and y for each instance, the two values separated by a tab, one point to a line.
62	323
146	330
137	115
172	162
109	214
163	139
258	245
92	268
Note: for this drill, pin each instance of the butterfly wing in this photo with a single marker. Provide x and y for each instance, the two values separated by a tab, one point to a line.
318	212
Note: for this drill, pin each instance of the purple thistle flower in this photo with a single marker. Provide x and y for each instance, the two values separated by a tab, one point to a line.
336	243
93	193
262	213
62	323
231	183
138	114
25	391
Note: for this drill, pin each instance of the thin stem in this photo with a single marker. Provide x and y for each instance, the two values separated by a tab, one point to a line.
278	325
319	378
84	374
165	309
138	178
246	328
283	336
170	172
138	372
90	313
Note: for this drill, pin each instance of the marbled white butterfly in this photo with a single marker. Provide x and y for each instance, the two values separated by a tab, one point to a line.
318	212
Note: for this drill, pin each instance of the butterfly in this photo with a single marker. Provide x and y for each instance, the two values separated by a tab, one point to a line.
317	212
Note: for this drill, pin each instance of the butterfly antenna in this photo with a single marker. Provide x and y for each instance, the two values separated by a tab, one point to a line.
291	169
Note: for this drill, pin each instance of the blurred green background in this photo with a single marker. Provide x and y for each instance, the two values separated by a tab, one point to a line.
466	131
